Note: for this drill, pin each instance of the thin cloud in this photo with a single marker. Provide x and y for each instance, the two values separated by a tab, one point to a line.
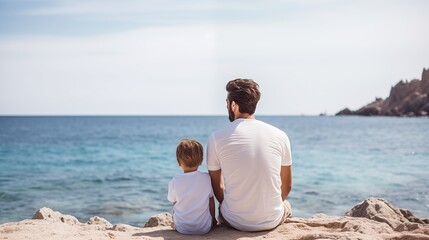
56	7
127	73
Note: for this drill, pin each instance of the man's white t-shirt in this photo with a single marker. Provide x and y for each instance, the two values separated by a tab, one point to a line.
190	193
250	154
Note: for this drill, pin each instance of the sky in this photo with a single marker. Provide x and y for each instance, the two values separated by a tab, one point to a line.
164	57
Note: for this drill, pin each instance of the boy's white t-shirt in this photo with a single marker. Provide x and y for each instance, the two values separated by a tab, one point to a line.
190	193
250	154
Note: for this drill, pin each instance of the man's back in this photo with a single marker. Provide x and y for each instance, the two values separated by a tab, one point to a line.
250	154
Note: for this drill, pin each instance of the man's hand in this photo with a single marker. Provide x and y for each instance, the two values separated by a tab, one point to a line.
217	184
286	176
212	211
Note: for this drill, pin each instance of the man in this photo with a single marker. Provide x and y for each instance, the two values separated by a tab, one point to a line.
249	163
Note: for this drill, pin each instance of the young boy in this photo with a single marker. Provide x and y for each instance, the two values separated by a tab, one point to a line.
191	192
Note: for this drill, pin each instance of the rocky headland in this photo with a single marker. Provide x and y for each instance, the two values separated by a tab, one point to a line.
374	218
409	98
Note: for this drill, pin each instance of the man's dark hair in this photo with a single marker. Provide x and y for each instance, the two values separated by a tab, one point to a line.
245	93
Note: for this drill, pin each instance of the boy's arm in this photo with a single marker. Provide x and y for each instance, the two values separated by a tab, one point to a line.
217	184
286	176
171	195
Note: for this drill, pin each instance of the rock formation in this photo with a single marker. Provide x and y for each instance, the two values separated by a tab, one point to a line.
374	218
380	210
162	219
53	216
405	99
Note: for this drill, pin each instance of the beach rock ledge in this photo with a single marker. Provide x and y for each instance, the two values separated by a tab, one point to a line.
374	218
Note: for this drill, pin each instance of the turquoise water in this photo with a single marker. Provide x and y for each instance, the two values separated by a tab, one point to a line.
119	167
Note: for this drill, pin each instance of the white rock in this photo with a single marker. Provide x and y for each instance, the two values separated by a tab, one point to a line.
162	219
50	215
96	220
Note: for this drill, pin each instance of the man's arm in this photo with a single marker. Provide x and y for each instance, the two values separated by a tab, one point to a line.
286	176
212	210
217	184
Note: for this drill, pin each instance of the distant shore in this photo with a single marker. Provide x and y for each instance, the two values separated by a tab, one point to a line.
374	218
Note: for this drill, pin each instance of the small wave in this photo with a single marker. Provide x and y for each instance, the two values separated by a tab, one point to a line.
328	202
375	150
312	193
119	179
5	197
97	181
6	180
412	199
92	180
149	191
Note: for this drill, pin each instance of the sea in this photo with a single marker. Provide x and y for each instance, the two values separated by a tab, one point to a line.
118	167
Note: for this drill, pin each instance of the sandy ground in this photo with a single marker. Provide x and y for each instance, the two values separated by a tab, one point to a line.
372	219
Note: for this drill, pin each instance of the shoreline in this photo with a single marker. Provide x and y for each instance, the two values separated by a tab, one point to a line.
374	218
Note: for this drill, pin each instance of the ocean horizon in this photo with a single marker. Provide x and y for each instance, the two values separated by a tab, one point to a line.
118	167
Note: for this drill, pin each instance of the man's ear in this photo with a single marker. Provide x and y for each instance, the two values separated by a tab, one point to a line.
234	106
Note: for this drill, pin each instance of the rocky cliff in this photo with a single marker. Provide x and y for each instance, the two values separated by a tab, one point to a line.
405	99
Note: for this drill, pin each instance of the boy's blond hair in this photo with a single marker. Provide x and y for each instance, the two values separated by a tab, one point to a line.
189	152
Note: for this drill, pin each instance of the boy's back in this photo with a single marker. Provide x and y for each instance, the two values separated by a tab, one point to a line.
191	193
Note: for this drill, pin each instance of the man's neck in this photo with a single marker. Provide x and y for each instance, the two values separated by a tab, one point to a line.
245	116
